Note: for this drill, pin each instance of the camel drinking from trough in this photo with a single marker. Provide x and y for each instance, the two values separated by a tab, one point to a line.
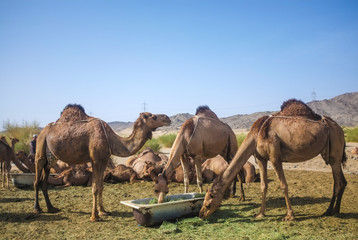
200	137
295	134
76	138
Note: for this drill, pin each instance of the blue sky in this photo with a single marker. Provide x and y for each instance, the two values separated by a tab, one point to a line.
238	57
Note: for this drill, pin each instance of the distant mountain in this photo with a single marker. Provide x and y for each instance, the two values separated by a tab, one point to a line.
343	109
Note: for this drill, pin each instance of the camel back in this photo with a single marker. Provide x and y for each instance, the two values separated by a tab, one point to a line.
73	112
290	109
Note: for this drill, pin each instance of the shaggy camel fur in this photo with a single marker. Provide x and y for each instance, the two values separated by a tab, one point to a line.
200	137
294	134
76	138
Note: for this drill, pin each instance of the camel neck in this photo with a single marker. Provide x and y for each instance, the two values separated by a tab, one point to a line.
127	146
246	149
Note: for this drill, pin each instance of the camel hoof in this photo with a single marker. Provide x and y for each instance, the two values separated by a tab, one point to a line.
259	215
103	213
37	211
327	213
95	219
53	210
288	218
241	199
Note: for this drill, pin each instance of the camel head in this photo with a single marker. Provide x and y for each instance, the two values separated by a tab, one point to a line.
161	187
212	200
21	155
153	121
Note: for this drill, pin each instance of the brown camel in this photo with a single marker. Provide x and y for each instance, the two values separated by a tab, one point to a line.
76	137
200	137
145	161
294	134
22	156
6	156
120	173
214	167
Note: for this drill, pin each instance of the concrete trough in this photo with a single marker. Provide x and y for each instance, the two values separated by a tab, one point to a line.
174	207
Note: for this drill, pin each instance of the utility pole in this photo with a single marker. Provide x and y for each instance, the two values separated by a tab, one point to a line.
144	106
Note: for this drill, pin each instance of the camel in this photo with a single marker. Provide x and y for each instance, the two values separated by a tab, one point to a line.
145	161
295	134
200	137
76	137
22	156
6	155
77	175
214	167
120	173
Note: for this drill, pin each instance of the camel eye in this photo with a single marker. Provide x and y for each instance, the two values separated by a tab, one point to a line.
156	190
166	192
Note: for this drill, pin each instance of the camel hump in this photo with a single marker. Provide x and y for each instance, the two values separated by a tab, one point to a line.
73	112
294	107
205	111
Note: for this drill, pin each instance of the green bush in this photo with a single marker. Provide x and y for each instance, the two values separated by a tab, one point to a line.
240	138
153	144
22	132
351	134
167	140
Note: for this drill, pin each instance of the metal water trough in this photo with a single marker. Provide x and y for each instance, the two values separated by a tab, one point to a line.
175	206
21	180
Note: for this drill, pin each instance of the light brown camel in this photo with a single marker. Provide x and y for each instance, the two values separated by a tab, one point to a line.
76	137
214	167
200	137
147	159
294	134
120	173
78	175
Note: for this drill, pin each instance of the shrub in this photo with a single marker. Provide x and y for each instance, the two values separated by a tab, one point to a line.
153	144
167	140
22	132
351	134
240	138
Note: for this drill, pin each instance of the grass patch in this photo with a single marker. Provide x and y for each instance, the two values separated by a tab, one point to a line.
310	194
23	132
351	134
240	138
167	140
153	144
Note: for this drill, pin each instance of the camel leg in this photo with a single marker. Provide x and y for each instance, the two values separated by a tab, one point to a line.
240	176
97	189
101	210
39	166
184	164
199	175
277	165
263	186
44	188
339	186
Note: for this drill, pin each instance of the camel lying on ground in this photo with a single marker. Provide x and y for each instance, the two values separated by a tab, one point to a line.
145	161
294	134
76	138
120	173
200	137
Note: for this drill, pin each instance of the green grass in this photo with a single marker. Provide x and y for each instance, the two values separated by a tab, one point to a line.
310	194
23	132
240	138
153	144
167	140
351	134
